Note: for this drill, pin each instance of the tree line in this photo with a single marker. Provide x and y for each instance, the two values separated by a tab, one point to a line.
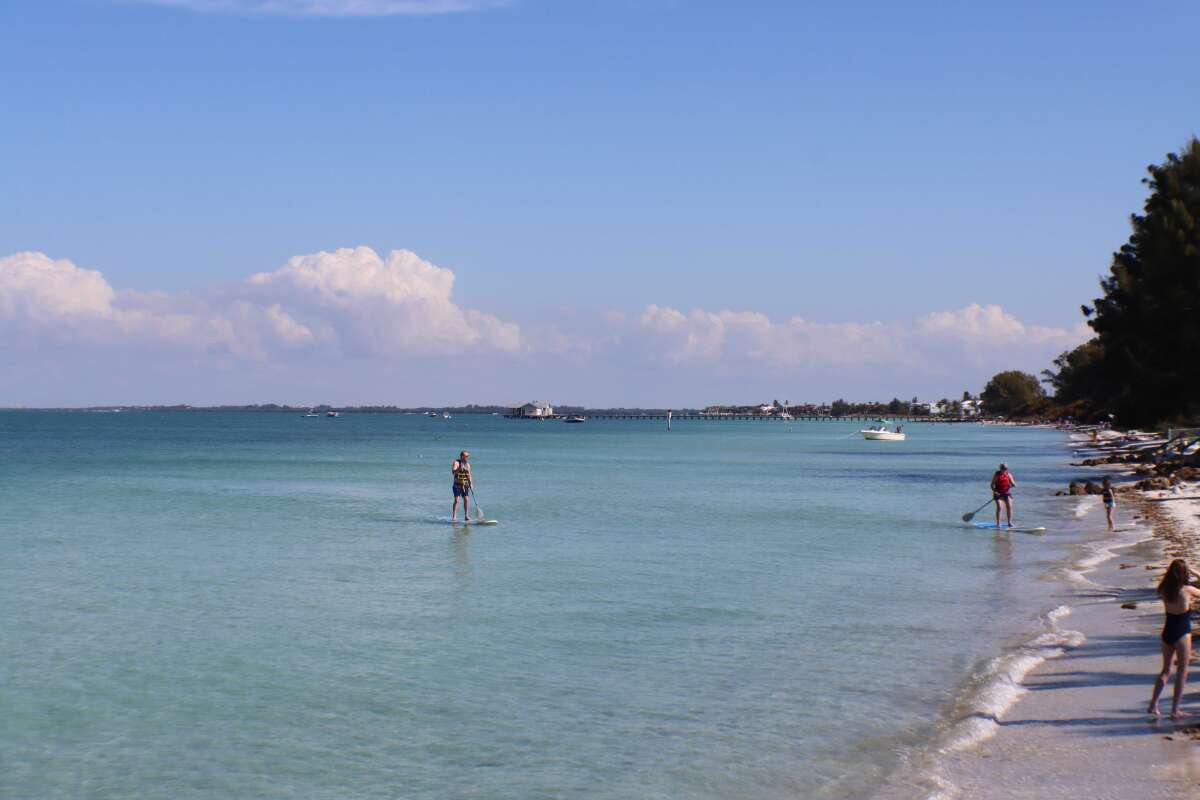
1140	367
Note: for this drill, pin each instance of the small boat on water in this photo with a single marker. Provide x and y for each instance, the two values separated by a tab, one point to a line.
312	413
575	419
431	413
879	432
331	413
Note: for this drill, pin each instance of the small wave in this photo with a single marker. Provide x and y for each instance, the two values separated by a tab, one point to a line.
998	685
1083	506
1096	553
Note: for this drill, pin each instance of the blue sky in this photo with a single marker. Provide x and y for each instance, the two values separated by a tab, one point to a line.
573	164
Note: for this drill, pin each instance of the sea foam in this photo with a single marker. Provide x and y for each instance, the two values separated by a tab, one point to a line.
998	685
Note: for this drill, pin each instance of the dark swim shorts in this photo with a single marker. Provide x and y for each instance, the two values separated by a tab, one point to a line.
458	490
999	496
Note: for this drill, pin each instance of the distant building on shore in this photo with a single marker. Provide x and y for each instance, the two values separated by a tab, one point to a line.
537	408
761	410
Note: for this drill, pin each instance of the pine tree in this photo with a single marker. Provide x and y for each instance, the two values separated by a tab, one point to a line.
1147	321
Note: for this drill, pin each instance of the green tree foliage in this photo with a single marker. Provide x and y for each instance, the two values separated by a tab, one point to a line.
1013	393
1080	377
1148	321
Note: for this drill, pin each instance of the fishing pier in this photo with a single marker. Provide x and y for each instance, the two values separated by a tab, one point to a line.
904	418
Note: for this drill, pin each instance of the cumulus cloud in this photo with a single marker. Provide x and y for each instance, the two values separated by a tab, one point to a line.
37	289
330	8
933	344
322	311
349	301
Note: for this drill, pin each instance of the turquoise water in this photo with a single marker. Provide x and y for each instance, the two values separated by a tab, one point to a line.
267	605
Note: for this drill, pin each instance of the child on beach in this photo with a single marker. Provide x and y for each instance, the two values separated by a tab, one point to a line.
1176	595
1110	502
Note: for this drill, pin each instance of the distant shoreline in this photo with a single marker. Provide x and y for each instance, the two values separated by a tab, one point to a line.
865	411
563	413
284	409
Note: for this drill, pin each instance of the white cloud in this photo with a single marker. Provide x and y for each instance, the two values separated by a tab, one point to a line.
331	8
321	313
376	307
347	302
934	344
37	289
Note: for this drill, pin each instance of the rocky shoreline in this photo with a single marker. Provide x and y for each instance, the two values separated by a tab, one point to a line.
1157	463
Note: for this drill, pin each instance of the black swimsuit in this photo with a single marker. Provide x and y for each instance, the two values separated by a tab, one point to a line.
1177	626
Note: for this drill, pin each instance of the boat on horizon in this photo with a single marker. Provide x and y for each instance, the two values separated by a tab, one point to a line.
575	419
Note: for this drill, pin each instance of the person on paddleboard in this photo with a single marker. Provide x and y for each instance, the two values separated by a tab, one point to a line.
460	470
1002	486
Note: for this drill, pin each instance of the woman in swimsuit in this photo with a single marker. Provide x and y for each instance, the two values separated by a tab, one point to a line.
1110	502
1176	595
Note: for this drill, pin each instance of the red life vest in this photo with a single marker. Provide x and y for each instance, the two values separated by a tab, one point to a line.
1003	482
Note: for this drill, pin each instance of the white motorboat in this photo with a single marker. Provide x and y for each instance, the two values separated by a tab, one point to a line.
575	419
880	432
312	412
331	413
445	415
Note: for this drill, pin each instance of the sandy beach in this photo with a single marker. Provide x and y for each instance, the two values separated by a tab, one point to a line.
1080	727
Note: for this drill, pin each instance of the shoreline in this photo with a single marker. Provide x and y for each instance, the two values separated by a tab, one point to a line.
1075	720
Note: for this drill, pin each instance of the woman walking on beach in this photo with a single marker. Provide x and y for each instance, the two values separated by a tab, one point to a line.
1110	502
1176	595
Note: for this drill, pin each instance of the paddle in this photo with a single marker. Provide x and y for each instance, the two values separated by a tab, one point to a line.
478	510
966	517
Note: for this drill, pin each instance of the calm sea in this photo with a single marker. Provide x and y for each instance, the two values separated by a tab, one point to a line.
269	605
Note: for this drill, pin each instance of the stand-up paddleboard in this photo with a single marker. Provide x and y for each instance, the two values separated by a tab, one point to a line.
991	526
449	521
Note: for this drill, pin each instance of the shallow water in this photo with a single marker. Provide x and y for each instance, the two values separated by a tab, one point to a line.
267	605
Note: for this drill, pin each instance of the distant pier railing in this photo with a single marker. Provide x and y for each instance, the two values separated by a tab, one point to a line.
755	418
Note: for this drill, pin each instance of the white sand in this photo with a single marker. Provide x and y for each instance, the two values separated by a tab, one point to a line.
1081	729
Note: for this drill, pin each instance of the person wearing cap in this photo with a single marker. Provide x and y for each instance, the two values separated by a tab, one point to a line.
1002	486
460	470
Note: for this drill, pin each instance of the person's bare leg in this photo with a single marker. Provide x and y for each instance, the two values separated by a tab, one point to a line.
1008	509
454	509
1168	653
997	512
1183	652
466	516
1108	513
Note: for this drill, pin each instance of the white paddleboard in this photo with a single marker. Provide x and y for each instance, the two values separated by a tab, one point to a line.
471	521
991	526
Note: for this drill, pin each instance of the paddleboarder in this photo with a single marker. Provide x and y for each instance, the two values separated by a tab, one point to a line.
460	470
1002	486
